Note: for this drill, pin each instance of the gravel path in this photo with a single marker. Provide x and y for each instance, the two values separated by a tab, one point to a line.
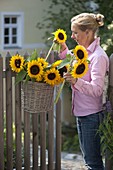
72	162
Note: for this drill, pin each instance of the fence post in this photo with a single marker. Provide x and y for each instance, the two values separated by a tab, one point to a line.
111	80
109	162
9	118
58	135
1	117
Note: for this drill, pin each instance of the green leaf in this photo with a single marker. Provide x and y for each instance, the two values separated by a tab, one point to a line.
63	63
33	56
88	61
27	79
69	56
68	60
33	79
57	47
20	76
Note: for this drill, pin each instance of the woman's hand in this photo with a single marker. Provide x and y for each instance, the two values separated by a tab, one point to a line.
63	47
68	77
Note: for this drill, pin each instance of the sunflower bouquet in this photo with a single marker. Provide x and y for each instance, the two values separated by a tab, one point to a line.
77	59
78	65
37	69
78	62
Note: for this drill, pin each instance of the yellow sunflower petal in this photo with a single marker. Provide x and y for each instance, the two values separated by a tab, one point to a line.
56	63
17	63
60	36
39	78
60	80
43	62
52	76
80	53
35	69
79	69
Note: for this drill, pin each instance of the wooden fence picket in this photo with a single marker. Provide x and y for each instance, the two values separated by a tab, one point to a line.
18	126
1	117
9	116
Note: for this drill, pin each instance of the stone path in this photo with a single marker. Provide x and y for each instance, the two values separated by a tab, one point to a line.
71	161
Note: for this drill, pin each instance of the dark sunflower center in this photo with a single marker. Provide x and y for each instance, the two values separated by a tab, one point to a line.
80	69
60	36
51	76
34	70
62	70
17	63
80	54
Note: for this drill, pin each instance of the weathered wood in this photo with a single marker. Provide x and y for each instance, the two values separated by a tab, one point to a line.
9	121
18	123
35	132
58	135
27	141
1	117
50	140
43	141
108	161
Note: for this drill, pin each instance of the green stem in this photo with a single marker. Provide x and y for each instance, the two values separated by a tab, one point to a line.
59	92
49	51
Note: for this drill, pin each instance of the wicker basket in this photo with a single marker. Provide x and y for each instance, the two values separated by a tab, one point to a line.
37	97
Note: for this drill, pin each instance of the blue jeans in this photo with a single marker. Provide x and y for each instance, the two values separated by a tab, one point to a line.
89	139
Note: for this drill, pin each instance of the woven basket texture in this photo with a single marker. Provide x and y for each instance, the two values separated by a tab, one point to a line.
37	97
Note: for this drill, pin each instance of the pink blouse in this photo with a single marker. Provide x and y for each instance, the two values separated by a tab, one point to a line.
88	90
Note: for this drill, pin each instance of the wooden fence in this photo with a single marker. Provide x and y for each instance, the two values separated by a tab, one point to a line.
30	141
27	141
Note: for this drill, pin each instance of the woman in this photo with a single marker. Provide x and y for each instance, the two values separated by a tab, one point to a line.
87	91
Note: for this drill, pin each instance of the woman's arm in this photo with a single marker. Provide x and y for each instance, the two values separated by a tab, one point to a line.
96	85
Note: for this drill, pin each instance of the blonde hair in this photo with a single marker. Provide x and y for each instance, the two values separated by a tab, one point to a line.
88	21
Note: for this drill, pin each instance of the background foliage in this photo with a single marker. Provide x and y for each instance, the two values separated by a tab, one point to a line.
60	12
106	134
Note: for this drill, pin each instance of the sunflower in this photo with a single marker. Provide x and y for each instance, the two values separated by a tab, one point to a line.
35	69
80	53
56	63
39	78
43	62
17	62
79	69
60	36
52	76
64	70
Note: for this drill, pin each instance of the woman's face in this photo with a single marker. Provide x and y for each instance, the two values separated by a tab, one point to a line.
79	36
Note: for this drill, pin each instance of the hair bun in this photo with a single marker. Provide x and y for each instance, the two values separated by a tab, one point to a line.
99	19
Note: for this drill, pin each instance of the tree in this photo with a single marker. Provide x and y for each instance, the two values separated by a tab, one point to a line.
106	8
60	13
